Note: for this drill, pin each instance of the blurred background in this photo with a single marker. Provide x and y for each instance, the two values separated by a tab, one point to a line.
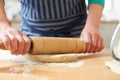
109	20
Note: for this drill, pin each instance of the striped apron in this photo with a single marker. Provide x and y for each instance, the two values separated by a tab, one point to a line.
53	18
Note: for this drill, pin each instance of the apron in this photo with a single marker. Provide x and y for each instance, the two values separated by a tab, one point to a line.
53	18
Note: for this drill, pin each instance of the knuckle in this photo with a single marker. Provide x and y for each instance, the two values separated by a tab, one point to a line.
13	39
28	42
21	42
88	43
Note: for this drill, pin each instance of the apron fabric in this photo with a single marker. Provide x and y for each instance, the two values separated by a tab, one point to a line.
54	18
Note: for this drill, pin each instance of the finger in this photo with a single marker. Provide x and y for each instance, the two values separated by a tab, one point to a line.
101	45
27	44
13	43
94	43
88	40
6	41
21	44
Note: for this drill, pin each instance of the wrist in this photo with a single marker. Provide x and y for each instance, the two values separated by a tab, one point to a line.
4	24
92	27
93	24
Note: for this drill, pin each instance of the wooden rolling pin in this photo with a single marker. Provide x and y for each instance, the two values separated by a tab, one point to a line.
54	45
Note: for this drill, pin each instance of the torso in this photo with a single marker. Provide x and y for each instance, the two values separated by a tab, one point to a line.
64	18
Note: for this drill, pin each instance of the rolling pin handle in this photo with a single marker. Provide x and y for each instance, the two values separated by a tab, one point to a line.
31	46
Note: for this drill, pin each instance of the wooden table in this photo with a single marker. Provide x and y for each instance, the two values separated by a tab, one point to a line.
93	69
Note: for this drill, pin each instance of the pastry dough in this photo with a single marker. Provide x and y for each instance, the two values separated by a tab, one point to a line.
53	58
57	49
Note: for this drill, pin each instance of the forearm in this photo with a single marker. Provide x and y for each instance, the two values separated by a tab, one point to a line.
3	17
91	33
94	15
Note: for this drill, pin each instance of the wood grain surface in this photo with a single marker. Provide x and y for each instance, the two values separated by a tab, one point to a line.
93	69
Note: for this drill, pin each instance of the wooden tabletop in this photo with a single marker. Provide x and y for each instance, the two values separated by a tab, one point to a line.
93	69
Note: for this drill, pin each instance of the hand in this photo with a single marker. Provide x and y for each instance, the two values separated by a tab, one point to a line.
93	39
14	40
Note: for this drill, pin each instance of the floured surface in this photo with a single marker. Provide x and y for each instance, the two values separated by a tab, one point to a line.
115	67
15	65
20	65
6	55
93	67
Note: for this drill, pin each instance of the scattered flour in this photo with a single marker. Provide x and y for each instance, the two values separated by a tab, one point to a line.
115	67
20	59
17	70
6	55
26	72
70	65
43	78
14	70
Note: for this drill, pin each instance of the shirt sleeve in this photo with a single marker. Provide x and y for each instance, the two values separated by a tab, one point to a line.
101	2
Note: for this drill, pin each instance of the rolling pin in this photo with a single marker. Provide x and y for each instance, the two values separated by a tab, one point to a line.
54	45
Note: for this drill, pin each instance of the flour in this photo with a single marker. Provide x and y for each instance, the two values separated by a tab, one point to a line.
43	78
26	72
14	70
113	66
6	55
69	65
20	59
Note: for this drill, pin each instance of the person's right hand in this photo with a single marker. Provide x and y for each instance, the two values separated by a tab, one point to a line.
14	40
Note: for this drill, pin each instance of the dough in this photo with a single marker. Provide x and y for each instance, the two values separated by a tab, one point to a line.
45	49
53	58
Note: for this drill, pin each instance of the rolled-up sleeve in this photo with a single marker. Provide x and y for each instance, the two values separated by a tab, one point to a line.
101	2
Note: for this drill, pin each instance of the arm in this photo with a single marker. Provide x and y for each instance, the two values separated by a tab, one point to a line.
13	39
91	34
3	18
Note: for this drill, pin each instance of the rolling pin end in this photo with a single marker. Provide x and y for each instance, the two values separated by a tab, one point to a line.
31	47
2	46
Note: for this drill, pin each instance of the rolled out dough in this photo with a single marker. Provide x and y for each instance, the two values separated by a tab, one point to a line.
53	45
53	58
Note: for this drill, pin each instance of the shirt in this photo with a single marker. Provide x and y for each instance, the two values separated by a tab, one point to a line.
57	18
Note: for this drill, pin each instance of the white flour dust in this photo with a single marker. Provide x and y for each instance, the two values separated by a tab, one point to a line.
17	70
43	78
70	65
20	59
115	67
6	55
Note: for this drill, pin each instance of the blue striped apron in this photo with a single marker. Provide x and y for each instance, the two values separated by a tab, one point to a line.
54	18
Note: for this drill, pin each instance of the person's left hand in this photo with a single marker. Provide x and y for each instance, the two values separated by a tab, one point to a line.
93	39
